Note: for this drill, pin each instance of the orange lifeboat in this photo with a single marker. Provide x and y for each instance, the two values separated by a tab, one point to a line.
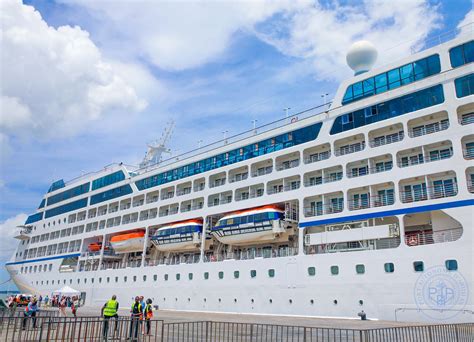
95	246
128	242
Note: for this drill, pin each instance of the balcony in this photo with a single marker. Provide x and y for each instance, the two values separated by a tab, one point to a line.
184	191
313	158
239	177
288	164
348	149
432	237
466	119
387	139
433	192
428	129
371	202
420	159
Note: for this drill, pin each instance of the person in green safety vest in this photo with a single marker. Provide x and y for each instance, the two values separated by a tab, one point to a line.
136	316
148	313
109	310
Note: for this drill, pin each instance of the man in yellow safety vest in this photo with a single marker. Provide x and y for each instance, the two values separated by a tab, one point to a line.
110	310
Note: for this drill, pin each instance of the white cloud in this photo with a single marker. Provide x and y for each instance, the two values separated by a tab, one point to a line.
55	81
323	35
176	35
465	26
8	229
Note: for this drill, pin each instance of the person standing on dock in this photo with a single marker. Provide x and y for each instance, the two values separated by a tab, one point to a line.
148	315
30	311
136	315
109	310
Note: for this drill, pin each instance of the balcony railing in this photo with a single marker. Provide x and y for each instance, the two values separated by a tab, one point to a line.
324	209
275	190
434	192
371	202
324	180
428	129
257	194
468	153
428	238
470	186
242	177
288	165
317	157
386	139
467	119
183	192
217	183
417	160
292	186
262	171
357	147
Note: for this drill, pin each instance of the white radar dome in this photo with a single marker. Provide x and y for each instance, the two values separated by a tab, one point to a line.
361	56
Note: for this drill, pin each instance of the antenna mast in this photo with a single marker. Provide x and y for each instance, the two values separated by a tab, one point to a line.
158	147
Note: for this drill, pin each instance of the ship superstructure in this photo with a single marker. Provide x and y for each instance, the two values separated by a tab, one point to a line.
325	213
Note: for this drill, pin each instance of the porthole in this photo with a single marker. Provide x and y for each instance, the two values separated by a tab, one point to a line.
165	277
311	301
252	301
134	278
144	278
178	276
176	299
206	275
253	273
155	277
311	271
235	300
236	274
221	275
335	301
190	276
164	299
205	300
271	273
189	299
361	302
220	300
290	301
270	300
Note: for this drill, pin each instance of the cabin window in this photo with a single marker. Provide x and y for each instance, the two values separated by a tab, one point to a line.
155	277
144	278
253	273
236	274
221	275
271	273
165	277
418	266
206	275
389	267
100	280
134	278
178	276
334	270
190	276
360	269
451	265
125	279
311	271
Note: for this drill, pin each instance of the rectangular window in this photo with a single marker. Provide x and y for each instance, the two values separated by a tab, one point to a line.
253	273
271	273
221	275
311	271
360	269
451	265
418	266
462	54
334	270
389	267
206	275
236	274
464	85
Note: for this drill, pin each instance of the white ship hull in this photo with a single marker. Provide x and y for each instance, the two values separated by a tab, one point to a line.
378	217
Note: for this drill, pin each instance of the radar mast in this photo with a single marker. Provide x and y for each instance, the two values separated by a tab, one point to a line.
158	147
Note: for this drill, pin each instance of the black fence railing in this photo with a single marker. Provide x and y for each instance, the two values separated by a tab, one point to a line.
56	329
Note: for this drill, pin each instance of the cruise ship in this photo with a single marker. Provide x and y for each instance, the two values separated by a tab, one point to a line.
362	204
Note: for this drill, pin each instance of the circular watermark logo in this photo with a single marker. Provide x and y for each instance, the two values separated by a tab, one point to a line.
439	290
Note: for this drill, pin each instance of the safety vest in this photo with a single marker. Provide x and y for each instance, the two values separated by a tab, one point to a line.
137	309
110	308
148	311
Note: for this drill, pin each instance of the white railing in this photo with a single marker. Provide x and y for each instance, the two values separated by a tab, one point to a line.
428	129
428	238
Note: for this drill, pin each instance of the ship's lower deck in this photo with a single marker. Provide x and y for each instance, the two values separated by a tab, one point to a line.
400	283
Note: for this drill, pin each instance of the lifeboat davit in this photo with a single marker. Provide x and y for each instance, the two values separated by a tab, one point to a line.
183	236
128	242
252	226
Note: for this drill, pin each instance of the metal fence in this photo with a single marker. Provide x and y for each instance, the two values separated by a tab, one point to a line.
56	329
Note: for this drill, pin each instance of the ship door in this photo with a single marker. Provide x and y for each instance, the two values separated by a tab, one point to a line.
291	275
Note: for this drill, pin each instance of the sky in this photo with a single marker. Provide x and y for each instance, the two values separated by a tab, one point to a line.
88	83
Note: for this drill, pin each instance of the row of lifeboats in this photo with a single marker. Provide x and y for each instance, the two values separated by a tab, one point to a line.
256	225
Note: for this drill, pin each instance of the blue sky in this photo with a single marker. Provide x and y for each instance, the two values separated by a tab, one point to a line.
87	83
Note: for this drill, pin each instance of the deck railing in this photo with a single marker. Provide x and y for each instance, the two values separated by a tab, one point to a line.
428	238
